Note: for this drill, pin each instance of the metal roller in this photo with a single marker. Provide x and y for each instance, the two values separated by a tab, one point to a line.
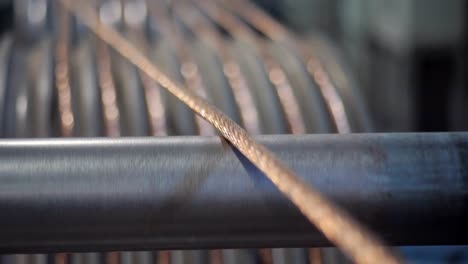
195	192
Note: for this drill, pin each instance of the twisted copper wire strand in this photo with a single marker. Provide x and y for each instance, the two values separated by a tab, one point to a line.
355	240
275	73
189	68
231	68
276	76
230	21
196	22
62	78
275	31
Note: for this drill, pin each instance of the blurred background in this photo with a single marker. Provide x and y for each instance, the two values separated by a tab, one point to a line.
408	55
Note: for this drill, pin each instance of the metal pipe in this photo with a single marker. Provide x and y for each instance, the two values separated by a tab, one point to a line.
197	192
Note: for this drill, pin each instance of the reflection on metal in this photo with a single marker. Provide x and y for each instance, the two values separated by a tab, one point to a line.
93	182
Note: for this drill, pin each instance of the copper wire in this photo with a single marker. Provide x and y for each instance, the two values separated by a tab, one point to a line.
62	83
277	32
189	68
231	69
355	240
108	91
163	257
275	73
61	258
62	78
241	91
315	256
152	90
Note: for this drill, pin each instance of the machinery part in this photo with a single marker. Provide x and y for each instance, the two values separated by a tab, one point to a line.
62	75
285	99
85	92
281	87
271	118
241	92
130	97
276	32
5	47
333	64
16	100
317	118
30	18
212	71
40	83
135	29
191	192
180	119
188	68
108	91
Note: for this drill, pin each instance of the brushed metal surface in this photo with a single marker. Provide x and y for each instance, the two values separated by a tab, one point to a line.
196	192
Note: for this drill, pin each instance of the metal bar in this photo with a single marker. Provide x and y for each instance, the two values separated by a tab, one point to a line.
197	192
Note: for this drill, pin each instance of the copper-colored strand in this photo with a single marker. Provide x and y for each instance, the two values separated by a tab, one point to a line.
108	91
60	258
152	90
163	257
315	256
216	256
355	240
231	69
334	102
190	73
276	75
277	32
62	83
329	92
155	106
112	258
189	68
62	79
242	95
266	255
286	96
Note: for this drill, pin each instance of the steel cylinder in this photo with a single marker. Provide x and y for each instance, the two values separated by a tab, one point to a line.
198	192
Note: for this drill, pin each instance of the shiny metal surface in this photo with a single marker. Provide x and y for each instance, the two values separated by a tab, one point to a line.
189	192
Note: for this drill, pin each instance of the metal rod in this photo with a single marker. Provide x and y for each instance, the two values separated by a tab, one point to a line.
197	192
